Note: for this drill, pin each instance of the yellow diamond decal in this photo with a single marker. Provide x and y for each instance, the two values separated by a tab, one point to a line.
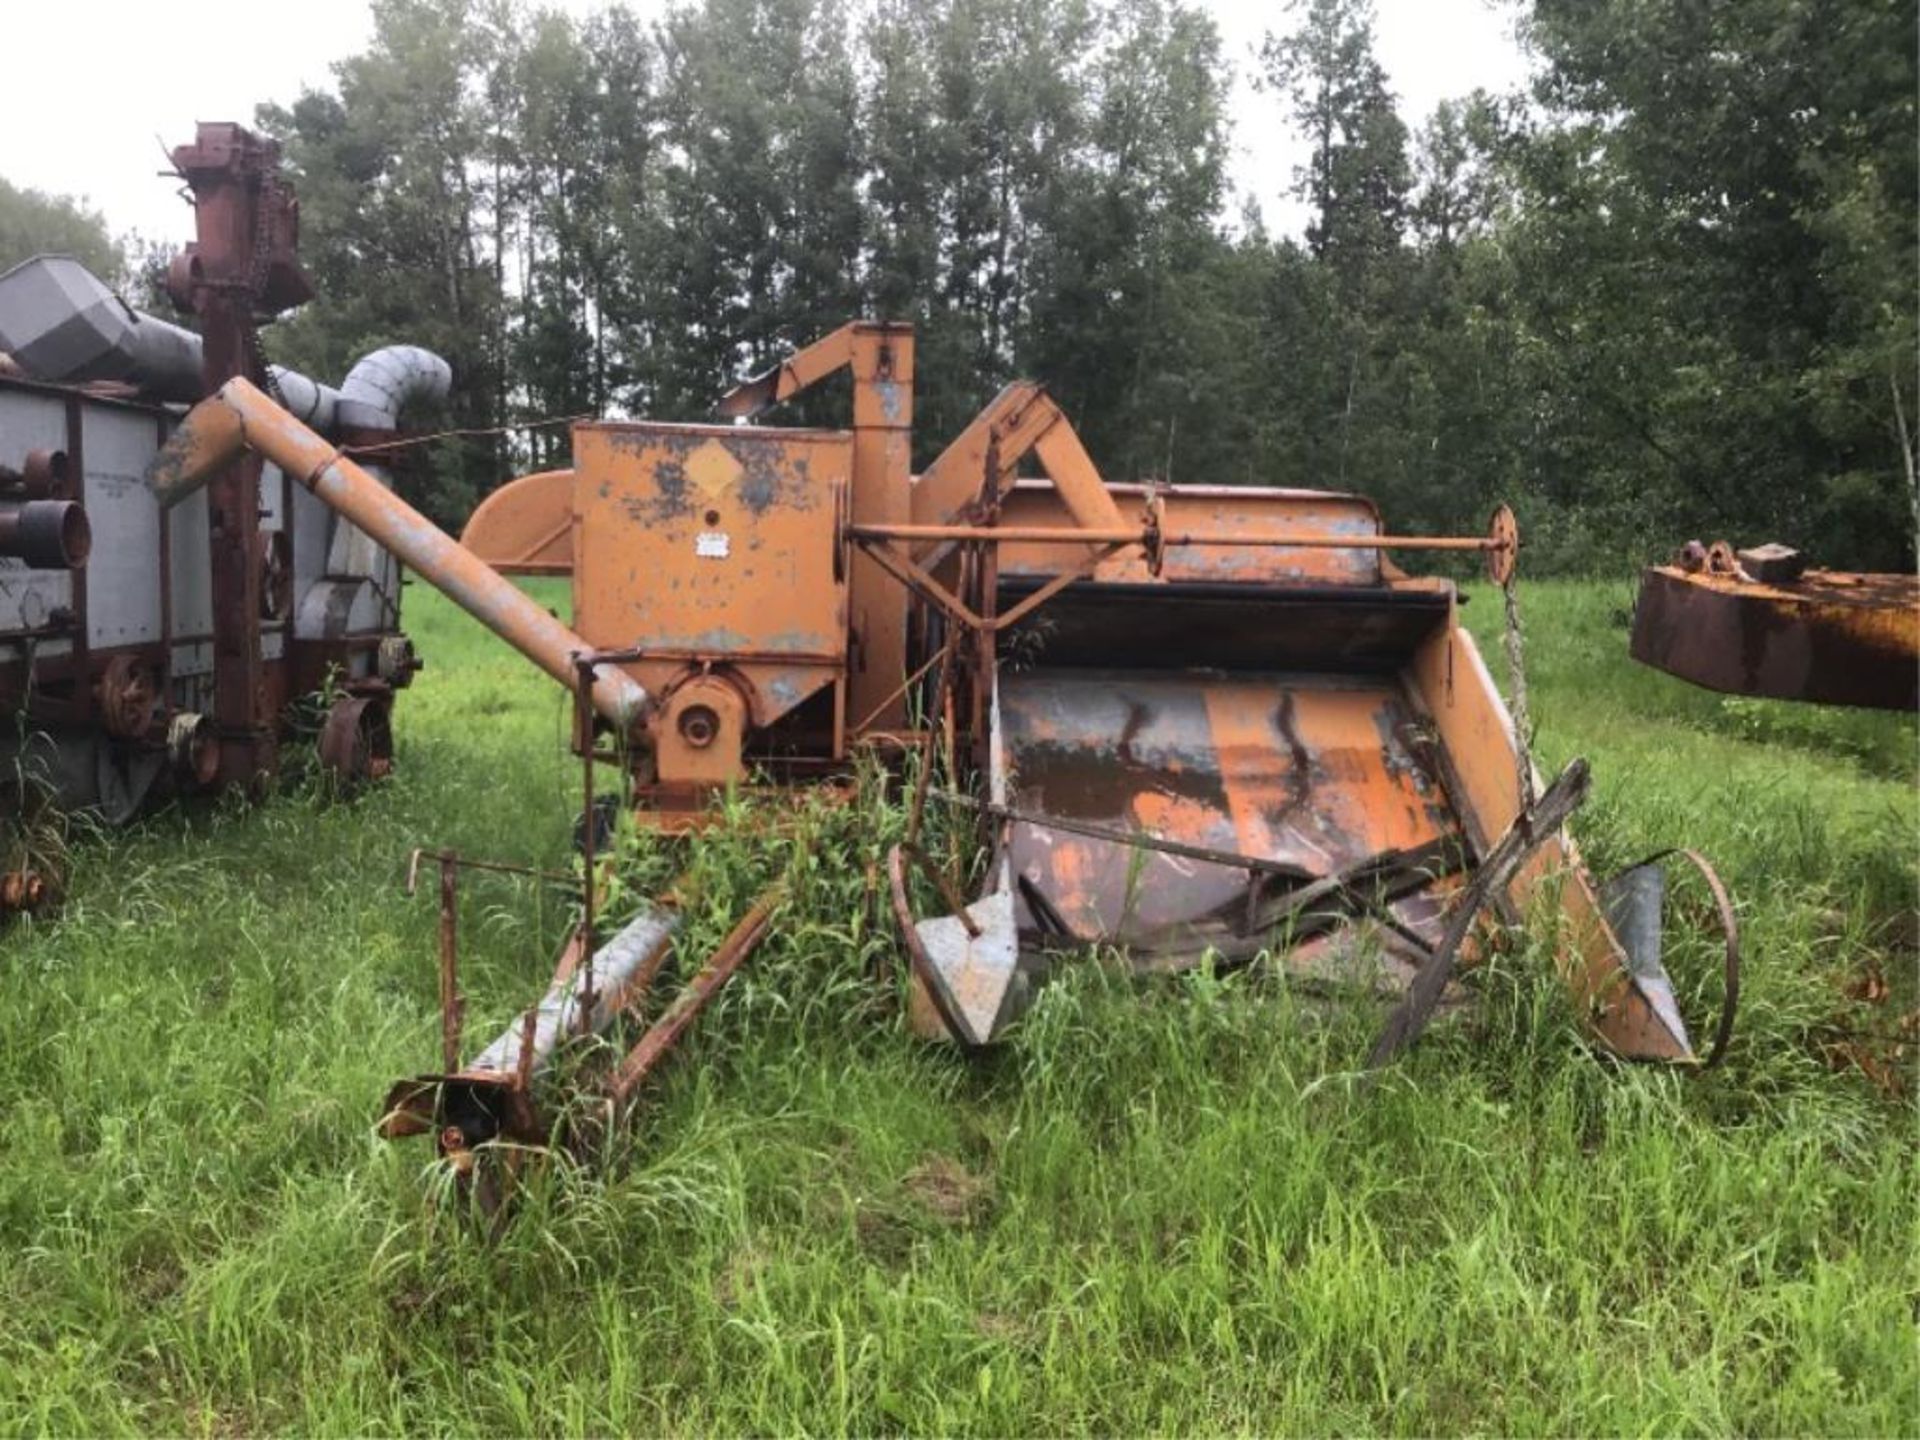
712	471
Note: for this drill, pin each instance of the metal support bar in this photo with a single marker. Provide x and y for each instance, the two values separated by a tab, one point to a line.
921	583
1070	535
1531	828
1139	839
465	862
646	1056
450	1002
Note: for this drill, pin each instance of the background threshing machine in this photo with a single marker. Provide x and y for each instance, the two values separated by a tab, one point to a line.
1189	721
144	649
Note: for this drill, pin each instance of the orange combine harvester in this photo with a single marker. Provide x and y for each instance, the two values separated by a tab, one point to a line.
1192	722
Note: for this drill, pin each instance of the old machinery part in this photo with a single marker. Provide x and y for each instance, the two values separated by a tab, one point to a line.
396	663
218	429
22	892
1196	725
503	1095
378	387
127	696
1533	826
356	740
1772	564
46	534
702	732
65	325
384	382
1503	550
193	748
491	1095
43	475
721	966
230	611
1761	622
273	555
1635	899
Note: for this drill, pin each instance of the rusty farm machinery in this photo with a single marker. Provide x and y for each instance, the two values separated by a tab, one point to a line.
1182	724
1762	622
148	651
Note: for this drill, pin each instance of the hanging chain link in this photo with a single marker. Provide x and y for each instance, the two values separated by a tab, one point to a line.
1517	688
265	232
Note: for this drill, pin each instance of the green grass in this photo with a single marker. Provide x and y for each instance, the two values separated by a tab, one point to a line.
1159	1210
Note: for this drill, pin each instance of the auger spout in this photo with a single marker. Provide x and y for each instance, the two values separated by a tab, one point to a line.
239	417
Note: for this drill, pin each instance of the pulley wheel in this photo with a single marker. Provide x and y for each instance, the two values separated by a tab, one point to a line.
356	742
1503	553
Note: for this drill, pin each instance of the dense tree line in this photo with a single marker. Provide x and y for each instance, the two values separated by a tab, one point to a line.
1669	292
34	223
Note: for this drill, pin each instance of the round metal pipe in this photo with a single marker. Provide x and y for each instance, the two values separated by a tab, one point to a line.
64	324
1072	535
47	534
239	417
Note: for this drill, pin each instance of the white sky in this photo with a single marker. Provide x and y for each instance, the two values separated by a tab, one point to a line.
109	80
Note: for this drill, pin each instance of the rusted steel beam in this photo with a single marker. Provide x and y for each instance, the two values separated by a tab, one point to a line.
732	952
240	268
240	417
1532	828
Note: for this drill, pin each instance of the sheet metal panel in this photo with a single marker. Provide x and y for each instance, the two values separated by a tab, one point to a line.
123	573
1316	771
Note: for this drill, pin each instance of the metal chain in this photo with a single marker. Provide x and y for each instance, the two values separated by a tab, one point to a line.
1517	688
265	231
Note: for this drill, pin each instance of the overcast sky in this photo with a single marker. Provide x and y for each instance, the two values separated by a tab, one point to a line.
94	87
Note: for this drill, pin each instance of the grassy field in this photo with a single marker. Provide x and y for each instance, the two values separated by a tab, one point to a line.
1152	1211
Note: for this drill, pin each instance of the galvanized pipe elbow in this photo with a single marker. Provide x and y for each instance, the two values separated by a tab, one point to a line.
383	383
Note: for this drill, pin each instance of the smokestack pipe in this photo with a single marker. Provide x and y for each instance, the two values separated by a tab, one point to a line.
239	417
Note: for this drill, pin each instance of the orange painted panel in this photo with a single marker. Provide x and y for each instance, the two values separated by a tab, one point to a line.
526	526
710	540
1474	729
1310	771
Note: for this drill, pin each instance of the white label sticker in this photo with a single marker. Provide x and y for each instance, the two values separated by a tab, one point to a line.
710	545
